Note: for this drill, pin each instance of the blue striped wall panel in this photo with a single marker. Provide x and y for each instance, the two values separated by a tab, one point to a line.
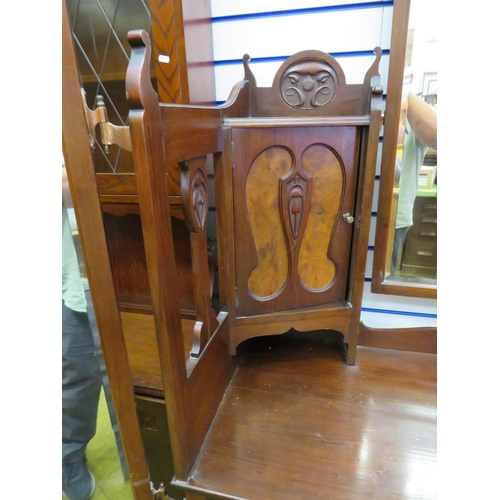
375	195
369	264
394	303
346	33
222	9
281	36
383	319
371	233
379	156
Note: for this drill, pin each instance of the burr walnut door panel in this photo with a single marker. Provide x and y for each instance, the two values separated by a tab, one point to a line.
292	188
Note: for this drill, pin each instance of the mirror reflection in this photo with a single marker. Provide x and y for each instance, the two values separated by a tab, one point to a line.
414	211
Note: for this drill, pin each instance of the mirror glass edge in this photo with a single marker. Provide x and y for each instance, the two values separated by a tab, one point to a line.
380	282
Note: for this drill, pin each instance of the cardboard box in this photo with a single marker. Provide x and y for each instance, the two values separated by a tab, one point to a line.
426	177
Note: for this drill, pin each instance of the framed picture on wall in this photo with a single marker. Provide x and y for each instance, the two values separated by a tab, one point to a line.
429	83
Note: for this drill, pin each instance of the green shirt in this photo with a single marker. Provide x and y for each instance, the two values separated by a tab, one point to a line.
73	292
413	158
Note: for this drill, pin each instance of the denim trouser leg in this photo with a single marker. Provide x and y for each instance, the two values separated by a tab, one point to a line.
81	384
399	240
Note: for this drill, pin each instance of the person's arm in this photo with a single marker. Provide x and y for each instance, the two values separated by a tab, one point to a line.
423	120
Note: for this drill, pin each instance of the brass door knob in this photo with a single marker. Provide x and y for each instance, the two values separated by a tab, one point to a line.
348	218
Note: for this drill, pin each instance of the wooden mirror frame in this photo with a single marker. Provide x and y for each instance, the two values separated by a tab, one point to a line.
383	238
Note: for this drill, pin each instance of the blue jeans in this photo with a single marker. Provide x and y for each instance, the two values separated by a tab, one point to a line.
81	383
399	240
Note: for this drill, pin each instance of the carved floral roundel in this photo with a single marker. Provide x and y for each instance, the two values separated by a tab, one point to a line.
308	84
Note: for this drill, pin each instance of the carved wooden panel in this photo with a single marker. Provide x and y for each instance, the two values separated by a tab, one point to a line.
128	261
316	269
291	188
308	84
194	193
271	272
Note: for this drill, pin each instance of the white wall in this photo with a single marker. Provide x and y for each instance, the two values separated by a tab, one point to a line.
271	31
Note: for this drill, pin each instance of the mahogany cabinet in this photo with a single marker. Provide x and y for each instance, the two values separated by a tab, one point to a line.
293	175
294	169
301	168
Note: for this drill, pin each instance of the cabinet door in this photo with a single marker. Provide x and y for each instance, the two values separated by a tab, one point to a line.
292	187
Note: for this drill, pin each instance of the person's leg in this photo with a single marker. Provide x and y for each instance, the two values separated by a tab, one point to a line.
399	240
81	385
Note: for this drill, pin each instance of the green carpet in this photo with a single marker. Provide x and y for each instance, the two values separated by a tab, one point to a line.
104	462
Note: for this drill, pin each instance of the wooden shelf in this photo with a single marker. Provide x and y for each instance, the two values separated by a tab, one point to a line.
298	423
140	338
109	77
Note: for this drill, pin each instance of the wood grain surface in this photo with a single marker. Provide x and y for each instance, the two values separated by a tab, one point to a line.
298	423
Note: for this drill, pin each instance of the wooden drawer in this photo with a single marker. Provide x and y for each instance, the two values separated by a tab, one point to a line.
420	251
425	205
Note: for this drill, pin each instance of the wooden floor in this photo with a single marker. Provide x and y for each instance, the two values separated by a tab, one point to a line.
298	423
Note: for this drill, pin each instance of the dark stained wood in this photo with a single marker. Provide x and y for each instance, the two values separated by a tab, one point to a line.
221	209
336	316
363	210
294	115
145	126
140	339
310	185
391	124
122	188
154	432
207	384
341	99
128	259
166	35
182	30
195	201
209	374
298	423
423	339
117	184
152	280
79	165
322	197
190	132
256	243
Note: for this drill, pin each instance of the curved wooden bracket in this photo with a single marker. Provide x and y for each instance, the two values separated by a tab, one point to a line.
249	76
138	85
373	70
194	196
372	85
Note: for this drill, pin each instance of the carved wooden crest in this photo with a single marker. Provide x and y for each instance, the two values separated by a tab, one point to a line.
308	84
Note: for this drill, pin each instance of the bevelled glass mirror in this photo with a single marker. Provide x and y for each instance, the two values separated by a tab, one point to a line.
405	254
